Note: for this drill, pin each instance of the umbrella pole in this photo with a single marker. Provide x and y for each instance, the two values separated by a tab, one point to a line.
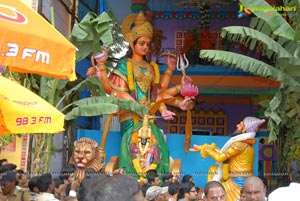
104	137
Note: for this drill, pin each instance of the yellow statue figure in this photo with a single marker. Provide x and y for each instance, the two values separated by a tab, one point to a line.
144	149
235	159
135	78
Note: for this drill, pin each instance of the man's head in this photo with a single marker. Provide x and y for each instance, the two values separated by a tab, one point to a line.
33	184
187	191
46	183
242	195
295	171
214	190
107	188
8	182
66	172
265	182
254	189
145	187
167	177
187	178
7	167
173	188
22	178
3	161
152	177
156	193
249	124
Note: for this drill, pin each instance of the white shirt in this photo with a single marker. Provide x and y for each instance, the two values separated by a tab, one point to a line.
289	193
45	197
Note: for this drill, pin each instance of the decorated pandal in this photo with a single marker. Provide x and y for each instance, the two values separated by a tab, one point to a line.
235	159
143	146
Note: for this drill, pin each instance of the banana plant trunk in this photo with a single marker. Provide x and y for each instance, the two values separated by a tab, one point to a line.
48	137
39	141
43	142
47	153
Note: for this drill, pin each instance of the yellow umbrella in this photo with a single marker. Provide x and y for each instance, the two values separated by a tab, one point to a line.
29	44
22	111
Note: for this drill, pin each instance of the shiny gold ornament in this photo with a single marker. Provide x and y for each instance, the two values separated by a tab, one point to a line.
136	25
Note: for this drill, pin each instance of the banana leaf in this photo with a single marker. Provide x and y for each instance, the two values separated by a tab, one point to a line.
294	17
99	105
90	32
92	83
252	38
293	108
290	66
95	109
247	64
264	11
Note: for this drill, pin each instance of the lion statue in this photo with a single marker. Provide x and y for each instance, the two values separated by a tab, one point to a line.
86	155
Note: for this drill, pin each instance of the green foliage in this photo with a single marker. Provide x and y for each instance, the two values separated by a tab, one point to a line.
278	25
6	139
99	105
116	31
276	39
249	36
91	83
30	81
88	35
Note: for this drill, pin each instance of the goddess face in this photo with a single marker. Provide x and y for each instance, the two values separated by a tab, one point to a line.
142	46
84	153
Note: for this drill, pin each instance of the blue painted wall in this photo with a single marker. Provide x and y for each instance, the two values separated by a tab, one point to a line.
192	163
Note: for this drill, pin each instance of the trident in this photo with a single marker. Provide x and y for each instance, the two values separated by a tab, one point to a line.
182	64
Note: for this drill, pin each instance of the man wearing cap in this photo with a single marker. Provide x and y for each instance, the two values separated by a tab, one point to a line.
156	193
235	159
9	190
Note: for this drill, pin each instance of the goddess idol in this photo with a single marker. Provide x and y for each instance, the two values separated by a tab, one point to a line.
135	78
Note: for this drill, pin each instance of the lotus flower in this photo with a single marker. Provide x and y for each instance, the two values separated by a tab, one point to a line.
189	90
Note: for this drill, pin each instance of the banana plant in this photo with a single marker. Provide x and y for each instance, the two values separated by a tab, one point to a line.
87	35
90	32
278	42
100	105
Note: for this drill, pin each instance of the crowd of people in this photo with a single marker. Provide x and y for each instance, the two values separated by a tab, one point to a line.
17	185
